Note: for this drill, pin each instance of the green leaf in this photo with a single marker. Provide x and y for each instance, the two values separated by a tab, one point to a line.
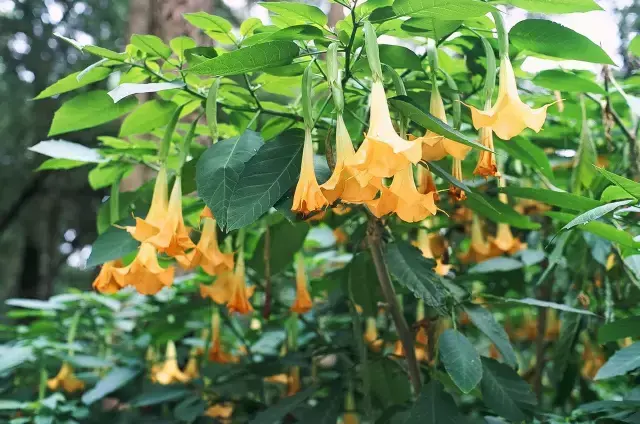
14	356
88	110
399	57
248	27
70	82
554	198
219	169
415	272
286	239
470	194
504	391
159	394
266	177
151	45
55	163
497	211
552	39
435	406
61	149
436	29
500	264
564	348
297	13
106	174
209	22
180	44
146	118
606	231
8	405
112	244
249	59
363	285
404	105
553	6
567	81
484	320
40	305
613	193
190	409
86	361
105	53
620	329
128	89
634	46
460	359
596	213
630	186
545	304
117	378
442	9
623	361
388	382
279	410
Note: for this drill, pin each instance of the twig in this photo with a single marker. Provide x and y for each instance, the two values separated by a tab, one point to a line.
266	311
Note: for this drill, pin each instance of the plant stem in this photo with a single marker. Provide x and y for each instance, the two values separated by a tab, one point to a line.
266	312
374	238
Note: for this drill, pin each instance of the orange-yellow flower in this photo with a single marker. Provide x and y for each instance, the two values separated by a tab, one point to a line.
424	244
412	206
435	146
342	183
145	273
207	253
486	166
456	193
302	303
66	380
308	197
106	281
383	152
216	351
169	372
239	300
426	184
350	415
480	249
509	116
593	361
191	370
371	335
150	225
221	411
383	204
293	382
504	239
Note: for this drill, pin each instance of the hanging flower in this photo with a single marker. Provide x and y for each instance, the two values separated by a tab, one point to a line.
504	239
383	152
308	197
293	381
426	184
435	146
239	300
145	273
220	411
106	281
486	166
207	253
456	193
216	352
65	380
350	415
424	244
191	370
384	204
480	249
371	335
509	116
343	183
169	372
150	226
412	206
302	303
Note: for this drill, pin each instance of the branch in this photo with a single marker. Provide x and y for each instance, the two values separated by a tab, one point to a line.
30	191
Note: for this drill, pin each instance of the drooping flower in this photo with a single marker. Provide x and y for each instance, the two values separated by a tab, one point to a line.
293	382
308	197
169	372
65	380
239	301
371	335
145	273
216	351
426	184
504	239
412	206
106	281
383	152
302	303
383	204
480	249
343	183
150	225
456	193
220	411
191	370
350	415
207	253
486	166
436	146
509	116
424	244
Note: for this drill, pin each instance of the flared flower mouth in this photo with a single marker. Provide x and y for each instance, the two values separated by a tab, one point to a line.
65	380
207	253
308	196
145	273
239	300
169	372
486	166
302	303
106	281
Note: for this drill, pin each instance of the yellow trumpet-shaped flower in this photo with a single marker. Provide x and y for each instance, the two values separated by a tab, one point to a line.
412	205
350	415
384	204
169	372
456	193
426	184
145	273
106	281
207	253
191	370
239	300
293	381
383	153
302	303
308	196
220	411
480	249
216	351
487	165
65	380
509	116
504	239
150	225
435	146
371	335
424	244
343	183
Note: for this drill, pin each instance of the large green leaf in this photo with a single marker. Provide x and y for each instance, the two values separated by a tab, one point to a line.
285	239
388	382
267	176
606	231
504	391
219	169
146	118
117	378
61	149
159	394
553	6
151	45
129	89
89	110
415	272
71	82
558	79
435	28
112	244
619	329
505	213
460	359
596	213
442	9
555	198
546	304
623	361
279	410
552	39
435	406
630	186
399	57
484	320
249	59
297	13
499	264
564	349
208	22
363	286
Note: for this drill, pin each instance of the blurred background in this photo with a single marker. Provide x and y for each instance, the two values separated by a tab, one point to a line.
48	218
